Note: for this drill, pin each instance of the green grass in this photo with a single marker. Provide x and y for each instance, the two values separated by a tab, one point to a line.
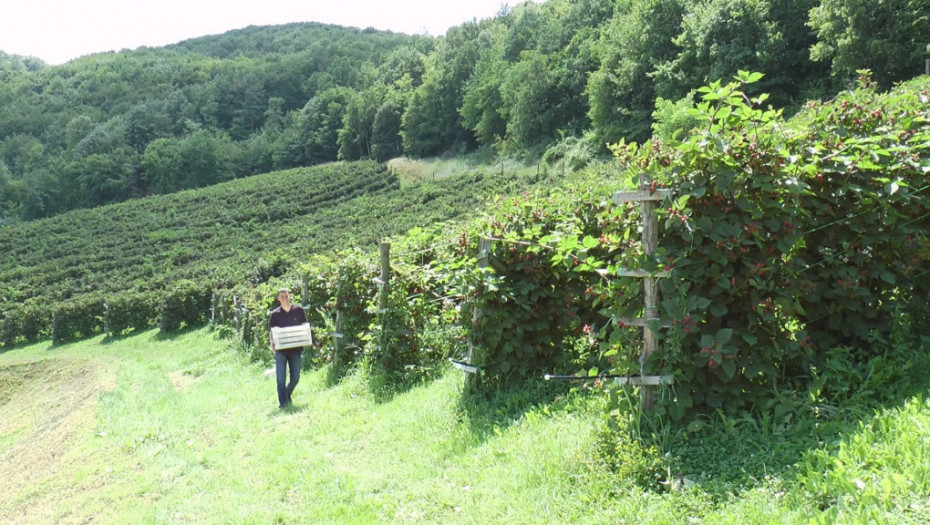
184	430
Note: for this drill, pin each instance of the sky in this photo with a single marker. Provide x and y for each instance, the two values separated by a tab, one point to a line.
57	31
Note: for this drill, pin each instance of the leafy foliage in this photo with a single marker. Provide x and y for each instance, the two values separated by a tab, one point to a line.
787	240
889	38
783	240
114	126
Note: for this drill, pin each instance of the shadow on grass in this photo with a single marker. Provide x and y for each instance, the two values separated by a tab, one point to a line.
162	335
21	344
157	336
287	411
492	408
727	454
385	386
335	373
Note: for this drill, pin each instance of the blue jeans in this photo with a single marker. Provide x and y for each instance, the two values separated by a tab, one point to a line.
282	360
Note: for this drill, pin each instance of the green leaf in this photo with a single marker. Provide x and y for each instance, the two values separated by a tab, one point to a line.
728	367
724	335
888	277
569	243
590	242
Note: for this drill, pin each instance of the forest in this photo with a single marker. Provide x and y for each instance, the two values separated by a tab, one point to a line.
536	80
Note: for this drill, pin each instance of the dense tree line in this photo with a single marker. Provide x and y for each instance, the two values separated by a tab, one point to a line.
113	126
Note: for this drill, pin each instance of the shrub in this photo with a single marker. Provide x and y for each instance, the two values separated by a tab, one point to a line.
186	304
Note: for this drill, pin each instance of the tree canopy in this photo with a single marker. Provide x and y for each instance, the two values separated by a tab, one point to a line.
113	126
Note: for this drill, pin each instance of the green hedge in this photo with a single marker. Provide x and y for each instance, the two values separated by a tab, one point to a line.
186	304
77	318
131	311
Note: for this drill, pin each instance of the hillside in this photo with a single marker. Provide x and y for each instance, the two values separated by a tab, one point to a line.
539	76
797	255
243	231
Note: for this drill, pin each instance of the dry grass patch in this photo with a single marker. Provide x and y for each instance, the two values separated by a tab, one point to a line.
46	406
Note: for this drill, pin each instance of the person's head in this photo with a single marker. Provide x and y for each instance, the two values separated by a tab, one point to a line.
284	295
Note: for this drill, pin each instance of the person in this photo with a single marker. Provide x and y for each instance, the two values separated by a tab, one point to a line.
287	314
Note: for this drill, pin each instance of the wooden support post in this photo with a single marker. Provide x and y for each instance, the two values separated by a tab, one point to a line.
651	293
236	313
385	248
337	339
107	323
213	308
384	290
484	254
304	289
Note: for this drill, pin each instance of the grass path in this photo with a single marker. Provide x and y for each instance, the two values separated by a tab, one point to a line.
183	430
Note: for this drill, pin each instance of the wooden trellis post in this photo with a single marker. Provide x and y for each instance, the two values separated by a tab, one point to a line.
304	289
385	278
646	196
107	321
236	322
383	282
471	380
337	338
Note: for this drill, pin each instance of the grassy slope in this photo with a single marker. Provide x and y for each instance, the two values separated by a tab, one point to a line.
142	430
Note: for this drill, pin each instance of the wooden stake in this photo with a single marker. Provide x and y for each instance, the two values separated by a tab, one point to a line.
651	293
304	289
484	252
385	248
337	339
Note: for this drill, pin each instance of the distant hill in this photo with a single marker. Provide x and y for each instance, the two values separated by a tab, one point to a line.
112	126
538	78
291	39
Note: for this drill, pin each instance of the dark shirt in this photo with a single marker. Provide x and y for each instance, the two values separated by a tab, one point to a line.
283	319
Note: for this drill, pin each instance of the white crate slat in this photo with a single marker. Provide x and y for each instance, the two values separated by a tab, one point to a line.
626	272
621	197
645	380
283	338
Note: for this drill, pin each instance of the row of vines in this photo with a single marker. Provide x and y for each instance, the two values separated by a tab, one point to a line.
117	267
782	241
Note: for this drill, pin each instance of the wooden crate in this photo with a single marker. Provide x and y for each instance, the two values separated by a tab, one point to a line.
291	336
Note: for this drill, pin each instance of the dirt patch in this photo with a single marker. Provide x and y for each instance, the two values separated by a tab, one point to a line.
181	380
45	407
12	377
409	171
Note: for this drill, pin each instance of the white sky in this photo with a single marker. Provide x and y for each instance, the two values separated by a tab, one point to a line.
59	30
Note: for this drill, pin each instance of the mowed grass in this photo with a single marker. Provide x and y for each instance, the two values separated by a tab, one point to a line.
185	430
